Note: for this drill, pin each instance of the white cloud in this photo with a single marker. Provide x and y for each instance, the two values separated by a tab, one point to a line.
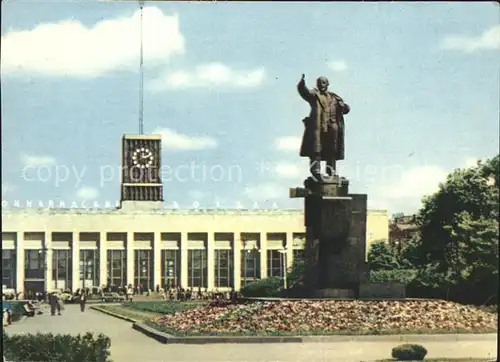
177	141
488	40
417	182
471	162
87	193
69	48
287	170
266	191
297	170
288	143
37	160
337	65
405	193
209	75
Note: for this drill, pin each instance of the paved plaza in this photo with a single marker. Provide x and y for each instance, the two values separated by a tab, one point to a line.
131	346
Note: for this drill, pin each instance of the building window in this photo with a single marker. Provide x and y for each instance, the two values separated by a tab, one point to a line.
171	268
299	254
197	268
250	266
61	269
9	268
34	266
223	268
275	264
117	267
142	269
89	268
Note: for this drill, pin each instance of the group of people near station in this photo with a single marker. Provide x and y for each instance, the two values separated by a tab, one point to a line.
56	299
33	306
170	292
29	310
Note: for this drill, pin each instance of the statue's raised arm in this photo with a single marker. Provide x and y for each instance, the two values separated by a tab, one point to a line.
304	92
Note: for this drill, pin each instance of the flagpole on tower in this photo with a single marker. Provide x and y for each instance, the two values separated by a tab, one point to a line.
141	74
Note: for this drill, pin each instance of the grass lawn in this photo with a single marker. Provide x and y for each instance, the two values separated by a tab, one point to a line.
136	315
145	310
162	307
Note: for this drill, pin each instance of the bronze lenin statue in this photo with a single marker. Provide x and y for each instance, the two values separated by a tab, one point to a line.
323	138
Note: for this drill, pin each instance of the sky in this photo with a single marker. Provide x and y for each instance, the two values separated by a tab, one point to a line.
422	81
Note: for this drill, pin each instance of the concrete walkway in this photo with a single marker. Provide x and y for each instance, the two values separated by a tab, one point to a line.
128	345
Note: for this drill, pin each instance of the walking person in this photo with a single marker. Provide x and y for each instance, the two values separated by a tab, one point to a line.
53	303
83	300
59	304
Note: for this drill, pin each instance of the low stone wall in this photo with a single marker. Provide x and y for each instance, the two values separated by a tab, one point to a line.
389	290
396	338
335	293
169	339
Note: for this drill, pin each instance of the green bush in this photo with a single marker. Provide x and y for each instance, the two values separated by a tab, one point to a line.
409	352
404	276
295	277
161	307
43	347
269	287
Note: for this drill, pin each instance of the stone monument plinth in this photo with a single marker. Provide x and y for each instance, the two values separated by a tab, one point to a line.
335	247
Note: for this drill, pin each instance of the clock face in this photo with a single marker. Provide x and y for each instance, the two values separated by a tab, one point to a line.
143	158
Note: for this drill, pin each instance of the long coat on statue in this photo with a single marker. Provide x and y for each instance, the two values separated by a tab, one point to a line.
324	128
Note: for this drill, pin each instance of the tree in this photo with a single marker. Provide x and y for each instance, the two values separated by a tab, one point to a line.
295	277
382	256
268	287
473	191
459	232
409	252
390	263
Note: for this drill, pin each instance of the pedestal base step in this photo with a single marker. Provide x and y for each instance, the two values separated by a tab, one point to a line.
334	293
386	290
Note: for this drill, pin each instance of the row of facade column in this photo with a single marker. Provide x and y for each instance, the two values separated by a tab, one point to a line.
237	246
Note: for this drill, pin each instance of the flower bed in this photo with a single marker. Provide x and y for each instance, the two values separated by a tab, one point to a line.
328	317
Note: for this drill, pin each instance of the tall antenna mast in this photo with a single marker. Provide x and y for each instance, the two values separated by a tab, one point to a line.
141	75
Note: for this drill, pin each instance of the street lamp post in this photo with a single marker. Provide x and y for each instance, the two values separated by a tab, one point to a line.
245	262
283	252
253	253
43	253
86	266
84	270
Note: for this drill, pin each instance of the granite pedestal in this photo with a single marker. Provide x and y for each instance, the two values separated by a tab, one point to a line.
335	249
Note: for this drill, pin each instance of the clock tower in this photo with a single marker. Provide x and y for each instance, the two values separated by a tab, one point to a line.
141	186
